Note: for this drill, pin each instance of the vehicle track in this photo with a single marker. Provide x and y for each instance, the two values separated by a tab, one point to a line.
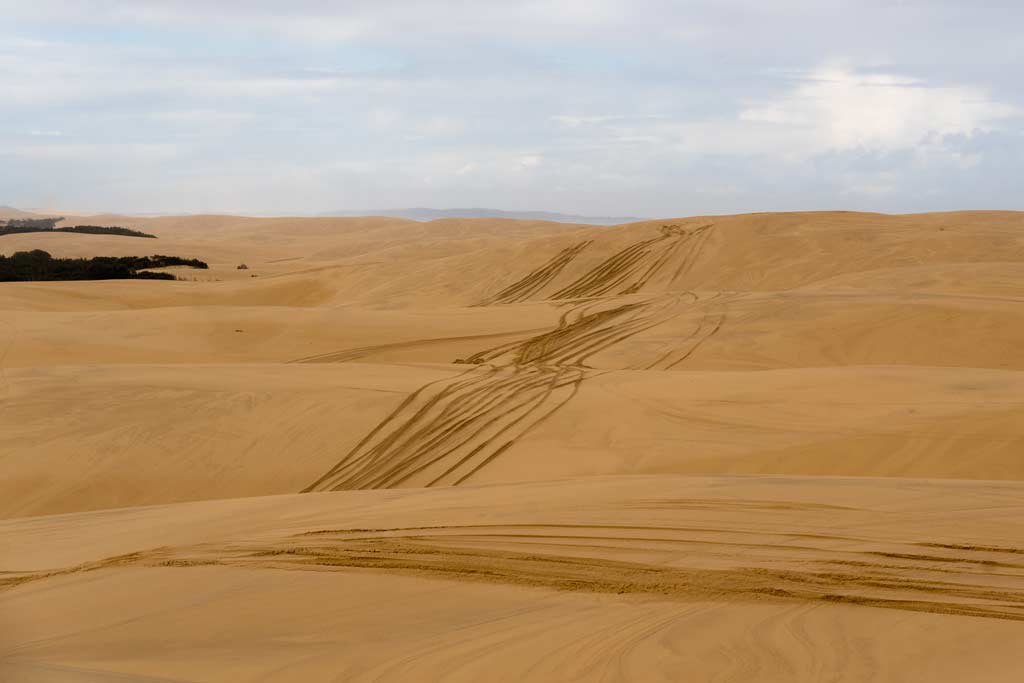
536	280
582	562
578	331
447	431
780	560
629	270
348	355
708	327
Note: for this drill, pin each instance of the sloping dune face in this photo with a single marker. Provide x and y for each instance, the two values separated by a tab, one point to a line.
741	447
793	344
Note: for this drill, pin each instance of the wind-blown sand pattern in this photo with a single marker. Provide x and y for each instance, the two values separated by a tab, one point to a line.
764	447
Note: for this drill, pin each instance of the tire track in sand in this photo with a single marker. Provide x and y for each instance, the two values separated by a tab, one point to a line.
447	431
782	560
536	280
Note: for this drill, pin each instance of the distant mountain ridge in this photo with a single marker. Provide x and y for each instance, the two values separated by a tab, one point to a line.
414	213
426	214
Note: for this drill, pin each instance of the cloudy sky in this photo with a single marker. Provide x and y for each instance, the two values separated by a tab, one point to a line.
600	107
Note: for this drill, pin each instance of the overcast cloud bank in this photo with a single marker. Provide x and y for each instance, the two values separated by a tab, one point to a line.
587	107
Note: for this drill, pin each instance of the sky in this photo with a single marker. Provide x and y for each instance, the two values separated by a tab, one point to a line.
597	107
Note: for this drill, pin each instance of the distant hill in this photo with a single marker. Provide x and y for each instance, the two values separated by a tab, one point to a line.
8	212
425	214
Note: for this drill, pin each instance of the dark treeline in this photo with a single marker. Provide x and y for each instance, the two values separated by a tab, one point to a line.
22	225
34	223
103	230
38	265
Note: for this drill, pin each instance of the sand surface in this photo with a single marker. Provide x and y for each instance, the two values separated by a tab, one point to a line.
761	447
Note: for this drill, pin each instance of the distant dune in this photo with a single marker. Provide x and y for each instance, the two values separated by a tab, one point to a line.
8	212
740	447
424	214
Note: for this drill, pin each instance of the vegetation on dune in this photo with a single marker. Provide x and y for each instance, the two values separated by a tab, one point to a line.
30	224
104	230
38	265
23	225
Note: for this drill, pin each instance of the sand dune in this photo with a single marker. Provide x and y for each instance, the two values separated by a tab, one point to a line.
615	578
553	419
88	437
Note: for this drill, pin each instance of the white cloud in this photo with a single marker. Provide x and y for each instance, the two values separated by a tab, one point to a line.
614	104
836	108
440	126
319	29
202	116
104	153
382	118
325	22
574	121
